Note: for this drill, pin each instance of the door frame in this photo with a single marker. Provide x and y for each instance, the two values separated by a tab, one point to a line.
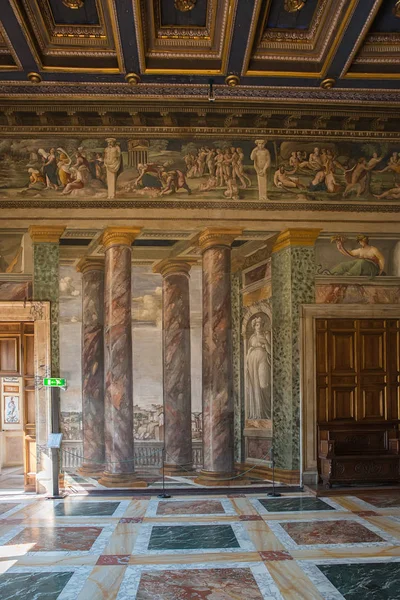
39	313
309	313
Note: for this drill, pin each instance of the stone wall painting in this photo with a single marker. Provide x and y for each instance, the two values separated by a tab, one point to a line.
70	323
11	253
11	410
147	353
112	168
358	255
258	372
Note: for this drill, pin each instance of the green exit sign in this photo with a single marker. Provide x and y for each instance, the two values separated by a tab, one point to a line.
54	382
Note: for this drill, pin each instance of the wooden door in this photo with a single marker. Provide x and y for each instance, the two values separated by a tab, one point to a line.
358	371
29	407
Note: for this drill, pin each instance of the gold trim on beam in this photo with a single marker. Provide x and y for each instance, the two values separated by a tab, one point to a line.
361	37
350	75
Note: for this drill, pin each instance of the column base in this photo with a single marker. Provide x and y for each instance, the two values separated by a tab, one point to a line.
121	480
220	478
91	470
176	470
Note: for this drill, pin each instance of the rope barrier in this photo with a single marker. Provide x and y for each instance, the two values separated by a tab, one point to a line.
109	462
157	451
228	478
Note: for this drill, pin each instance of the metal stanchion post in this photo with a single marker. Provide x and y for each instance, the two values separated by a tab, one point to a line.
164	494
273	493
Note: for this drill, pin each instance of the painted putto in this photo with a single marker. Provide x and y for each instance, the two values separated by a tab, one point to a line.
245	169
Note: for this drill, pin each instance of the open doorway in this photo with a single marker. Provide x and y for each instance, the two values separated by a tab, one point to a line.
17	408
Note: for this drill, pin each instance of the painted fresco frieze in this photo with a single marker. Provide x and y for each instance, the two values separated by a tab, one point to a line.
303	172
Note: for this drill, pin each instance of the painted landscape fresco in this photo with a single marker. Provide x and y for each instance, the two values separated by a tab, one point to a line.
191	169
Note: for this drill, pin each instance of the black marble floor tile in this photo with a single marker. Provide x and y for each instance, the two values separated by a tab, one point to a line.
365	581
294	504
75	508
192	537
33	586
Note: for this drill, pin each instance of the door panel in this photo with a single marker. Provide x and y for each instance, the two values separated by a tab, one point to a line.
358	370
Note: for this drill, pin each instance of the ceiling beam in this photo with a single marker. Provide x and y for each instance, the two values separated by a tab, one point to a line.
359	24
17	37
127	31
241	31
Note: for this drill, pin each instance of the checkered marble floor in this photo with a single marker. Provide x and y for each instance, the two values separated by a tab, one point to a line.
230	547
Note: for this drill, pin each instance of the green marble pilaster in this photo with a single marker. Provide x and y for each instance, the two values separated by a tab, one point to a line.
293	284
46	257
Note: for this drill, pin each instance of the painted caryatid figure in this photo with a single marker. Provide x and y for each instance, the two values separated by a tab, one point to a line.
262	161
258	364
113	163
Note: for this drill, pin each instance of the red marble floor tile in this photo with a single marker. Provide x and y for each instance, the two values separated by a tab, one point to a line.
250	518
329	532
273	555
113	559
48	539
202	584
389	500
191	507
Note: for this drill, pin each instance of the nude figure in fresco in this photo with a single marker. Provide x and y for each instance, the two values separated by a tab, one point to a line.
258	363
368	260
262	161
113	163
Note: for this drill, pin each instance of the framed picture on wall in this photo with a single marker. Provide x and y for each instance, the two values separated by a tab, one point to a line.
11	410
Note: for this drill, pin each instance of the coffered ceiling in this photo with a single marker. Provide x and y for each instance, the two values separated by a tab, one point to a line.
173	48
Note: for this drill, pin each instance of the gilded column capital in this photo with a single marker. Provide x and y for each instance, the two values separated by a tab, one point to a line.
90	263
119	236
45	234
173	266
296	237
217	236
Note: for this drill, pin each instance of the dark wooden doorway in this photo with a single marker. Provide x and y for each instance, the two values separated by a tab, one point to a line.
17	393
358	399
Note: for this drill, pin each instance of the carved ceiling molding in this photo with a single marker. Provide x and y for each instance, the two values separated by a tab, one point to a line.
90	92
261	117
206	205
266	49
158	44
7	48
47	39
200	132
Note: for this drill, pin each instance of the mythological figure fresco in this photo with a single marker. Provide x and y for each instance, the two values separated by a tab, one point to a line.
258	370
246	169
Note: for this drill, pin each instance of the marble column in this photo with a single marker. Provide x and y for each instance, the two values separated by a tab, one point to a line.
118	394
293	284
218	404
177	366
92	269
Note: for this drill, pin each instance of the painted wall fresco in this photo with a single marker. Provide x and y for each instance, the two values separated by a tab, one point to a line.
147	352
215	169
371	267
358	255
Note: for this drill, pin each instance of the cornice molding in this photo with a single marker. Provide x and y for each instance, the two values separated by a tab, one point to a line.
45	234
296	237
